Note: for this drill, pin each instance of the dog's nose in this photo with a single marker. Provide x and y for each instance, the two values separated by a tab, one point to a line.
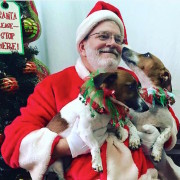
124	49
142	106
145	107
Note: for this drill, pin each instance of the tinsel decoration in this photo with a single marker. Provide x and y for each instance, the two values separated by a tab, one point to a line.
100	102
157	96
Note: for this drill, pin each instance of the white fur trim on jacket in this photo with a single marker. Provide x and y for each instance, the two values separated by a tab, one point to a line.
91	21
81	69
35	152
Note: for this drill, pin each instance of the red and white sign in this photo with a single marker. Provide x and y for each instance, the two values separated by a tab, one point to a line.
10	28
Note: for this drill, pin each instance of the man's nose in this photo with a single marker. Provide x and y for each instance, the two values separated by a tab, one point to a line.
112	43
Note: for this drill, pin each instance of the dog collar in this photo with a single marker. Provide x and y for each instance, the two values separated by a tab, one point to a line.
100	102
157	96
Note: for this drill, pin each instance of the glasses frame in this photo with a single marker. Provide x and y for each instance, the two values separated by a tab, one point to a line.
110	37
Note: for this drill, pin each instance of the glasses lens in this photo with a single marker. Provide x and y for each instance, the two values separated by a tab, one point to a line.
106	36
103	36
118	39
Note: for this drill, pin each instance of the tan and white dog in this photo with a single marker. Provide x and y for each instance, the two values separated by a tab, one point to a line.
126	95
152	74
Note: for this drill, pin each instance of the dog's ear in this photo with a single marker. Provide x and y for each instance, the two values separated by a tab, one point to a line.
165	78
104	79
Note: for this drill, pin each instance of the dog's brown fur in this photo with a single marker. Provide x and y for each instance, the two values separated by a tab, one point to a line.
57	124
152	73
155	70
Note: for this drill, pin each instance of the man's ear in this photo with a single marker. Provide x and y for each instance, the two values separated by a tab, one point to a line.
104	79
81	48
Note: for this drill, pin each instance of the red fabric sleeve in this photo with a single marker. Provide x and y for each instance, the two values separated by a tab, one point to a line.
48	98
168	143
81	167
55	142
174	116
40	109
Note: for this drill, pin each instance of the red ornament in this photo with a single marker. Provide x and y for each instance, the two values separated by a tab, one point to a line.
30	68
8	84
1	139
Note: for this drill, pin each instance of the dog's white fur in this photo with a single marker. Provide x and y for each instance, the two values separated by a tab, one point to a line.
78	111
81	112
158	116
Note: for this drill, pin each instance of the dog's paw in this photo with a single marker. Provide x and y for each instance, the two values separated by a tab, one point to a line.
134	142
97	167
156	154
122	134
97	164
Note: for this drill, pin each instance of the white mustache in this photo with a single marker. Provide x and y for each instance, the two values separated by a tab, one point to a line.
109	50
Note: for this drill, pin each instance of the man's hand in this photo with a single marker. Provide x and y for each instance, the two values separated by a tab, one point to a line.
77	145
166	168
148	136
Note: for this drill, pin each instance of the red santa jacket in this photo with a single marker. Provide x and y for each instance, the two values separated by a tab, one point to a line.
29	144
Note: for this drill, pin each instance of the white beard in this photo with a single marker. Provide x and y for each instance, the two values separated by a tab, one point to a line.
108	64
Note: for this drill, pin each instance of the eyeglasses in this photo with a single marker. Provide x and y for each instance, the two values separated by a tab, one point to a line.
107	37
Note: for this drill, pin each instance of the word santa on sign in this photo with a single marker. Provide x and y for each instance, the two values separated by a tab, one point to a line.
11	39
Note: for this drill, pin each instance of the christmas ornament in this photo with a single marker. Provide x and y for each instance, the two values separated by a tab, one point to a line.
8	84
30	68
1	138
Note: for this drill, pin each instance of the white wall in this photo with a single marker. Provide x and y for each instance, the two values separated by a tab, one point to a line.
152	26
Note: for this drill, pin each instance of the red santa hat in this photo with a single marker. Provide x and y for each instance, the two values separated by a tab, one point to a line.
100	12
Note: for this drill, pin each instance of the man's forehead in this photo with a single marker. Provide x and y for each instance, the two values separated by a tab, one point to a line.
108	26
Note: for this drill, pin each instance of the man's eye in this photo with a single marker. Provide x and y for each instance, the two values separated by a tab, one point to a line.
103	36
132	86
118	40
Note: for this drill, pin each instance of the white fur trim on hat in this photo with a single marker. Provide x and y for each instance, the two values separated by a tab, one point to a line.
81	69
91	21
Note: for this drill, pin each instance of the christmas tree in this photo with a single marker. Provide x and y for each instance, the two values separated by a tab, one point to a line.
19	74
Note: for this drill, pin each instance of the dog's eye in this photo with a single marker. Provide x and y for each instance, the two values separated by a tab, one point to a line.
131	86
147	55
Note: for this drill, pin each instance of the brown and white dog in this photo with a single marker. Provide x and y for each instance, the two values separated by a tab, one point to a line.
151	72
125	89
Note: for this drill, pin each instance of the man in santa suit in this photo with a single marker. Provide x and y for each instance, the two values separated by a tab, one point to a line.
32	146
